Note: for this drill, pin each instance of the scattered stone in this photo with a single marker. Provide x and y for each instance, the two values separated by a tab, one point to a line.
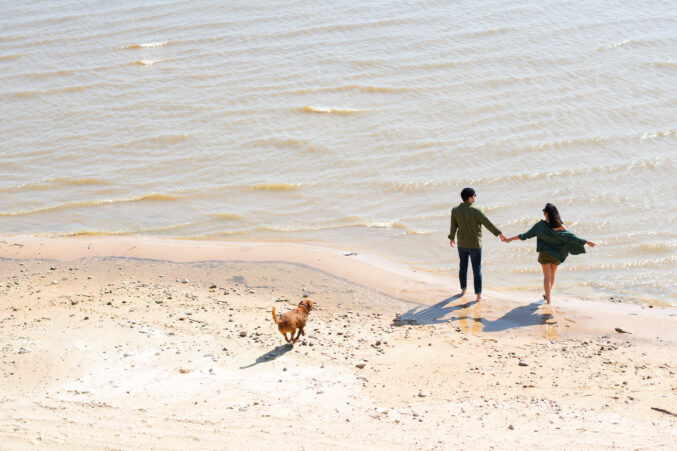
243	333
523	363
52	268
511	427
212	286
184	371
422	394
361	365
622	331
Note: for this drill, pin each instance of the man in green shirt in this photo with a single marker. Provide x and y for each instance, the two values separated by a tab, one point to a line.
467	221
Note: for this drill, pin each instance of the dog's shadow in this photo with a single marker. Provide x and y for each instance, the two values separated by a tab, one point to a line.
271	355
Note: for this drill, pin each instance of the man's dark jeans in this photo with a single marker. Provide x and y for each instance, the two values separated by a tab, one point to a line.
476	260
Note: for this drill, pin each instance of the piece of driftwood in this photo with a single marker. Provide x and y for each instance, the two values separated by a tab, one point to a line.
658	409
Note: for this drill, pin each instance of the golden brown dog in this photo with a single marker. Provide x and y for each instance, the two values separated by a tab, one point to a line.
295	319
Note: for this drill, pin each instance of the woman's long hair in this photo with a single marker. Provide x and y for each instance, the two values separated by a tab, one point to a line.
554	221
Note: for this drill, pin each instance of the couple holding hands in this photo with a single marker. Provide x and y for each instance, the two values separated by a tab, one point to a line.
553	241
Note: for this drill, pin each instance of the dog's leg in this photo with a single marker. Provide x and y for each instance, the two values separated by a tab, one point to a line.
297	336
288	339
302	332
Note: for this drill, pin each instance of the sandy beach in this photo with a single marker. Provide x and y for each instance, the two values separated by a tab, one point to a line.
138	343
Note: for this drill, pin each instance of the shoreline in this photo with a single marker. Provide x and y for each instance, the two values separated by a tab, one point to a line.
423	289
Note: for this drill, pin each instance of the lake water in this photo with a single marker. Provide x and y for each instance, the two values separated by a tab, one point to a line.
351	124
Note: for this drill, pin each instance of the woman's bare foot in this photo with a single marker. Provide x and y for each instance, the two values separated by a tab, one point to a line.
544	297
462	292
481	298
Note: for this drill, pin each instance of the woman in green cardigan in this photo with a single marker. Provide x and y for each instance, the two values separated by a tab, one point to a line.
553	244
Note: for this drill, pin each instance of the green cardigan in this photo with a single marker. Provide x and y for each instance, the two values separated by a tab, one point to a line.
468	221
558	243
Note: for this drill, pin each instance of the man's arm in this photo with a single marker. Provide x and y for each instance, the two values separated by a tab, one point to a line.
489	225
452	229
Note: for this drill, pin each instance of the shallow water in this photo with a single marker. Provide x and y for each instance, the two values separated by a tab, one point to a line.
352	125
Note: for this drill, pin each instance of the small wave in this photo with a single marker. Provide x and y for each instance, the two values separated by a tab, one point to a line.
160	139
226	216
646	263
146	62
413	187
658	134
39	92
49	184
275	187
296	143
385	225
349	88
174	138
655	247
663	64
78	182
92	203
635	166
626	43
329	110
154	196
11	57
148	45
616	44
25	187
420	232
125	232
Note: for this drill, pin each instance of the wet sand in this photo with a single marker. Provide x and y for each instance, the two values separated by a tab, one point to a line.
125	343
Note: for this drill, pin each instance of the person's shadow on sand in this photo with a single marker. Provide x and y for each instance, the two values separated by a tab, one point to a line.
522	316
271	355
432	314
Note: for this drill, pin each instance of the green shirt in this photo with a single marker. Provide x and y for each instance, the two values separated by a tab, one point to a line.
558	243
468	221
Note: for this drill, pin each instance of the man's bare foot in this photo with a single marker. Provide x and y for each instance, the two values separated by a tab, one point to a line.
462	292
481	298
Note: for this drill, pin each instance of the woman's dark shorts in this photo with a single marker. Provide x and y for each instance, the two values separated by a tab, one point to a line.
546	259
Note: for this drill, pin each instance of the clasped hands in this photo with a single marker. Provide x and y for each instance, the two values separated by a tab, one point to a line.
452	243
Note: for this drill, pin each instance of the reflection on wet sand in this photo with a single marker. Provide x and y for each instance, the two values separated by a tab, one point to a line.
471	317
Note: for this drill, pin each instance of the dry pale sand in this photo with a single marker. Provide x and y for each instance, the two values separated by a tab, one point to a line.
133	343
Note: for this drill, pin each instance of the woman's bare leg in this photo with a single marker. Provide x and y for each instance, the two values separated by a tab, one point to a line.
547	274
553	270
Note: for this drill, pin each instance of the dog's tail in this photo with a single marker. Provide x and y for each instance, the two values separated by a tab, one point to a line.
277	321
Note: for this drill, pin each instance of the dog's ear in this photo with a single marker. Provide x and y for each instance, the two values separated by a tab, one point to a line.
310	305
